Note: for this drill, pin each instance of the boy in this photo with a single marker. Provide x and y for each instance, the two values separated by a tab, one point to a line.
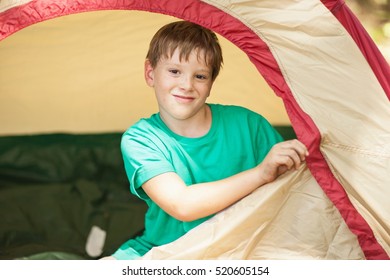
193	159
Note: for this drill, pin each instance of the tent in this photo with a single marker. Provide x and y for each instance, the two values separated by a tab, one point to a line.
314	55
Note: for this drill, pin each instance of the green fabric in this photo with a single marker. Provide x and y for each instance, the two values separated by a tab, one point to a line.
286	131
129	250
55	187
52	256
238	140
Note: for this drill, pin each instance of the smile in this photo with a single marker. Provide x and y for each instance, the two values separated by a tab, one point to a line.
183	99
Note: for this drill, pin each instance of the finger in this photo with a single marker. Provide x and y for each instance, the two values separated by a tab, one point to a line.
286	160
299	148
294	158
286	154
282	169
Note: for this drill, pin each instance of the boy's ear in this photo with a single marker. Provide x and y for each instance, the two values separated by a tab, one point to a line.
148	73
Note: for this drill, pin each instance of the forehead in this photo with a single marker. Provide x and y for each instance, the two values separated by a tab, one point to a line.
194	56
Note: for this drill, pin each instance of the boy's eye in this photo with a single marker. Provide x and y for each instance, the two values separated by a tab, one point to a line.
201	77
174	71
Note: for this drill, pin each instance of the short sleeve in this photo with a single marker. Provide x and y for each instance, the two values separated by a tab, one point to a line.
145	156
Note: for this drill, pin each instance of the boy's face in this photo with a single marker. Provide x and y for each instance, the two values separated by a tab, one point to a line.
181	86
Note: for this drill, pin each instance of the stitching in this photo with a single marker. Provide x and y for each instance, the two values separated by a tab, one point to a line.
358	150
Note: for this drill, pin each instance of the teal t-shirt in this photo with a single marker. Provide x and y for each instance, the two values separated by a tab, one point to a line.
238	140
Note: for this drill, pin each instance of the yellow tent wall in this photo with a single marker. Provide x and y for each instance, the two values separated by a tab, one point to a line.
83	73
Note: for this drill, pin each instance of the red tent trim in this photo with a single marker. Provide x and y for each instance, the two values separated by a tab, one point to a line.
259	53
374	57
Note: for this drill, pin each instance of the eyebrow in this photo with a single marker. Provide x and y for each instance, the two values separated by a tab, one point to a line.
173	64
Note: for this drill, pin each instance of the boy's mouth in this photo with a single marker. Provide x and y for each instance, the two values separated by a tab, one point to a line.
183	98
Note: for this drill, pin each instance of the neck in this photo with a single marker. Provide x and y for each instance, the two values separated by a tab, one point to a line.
197	126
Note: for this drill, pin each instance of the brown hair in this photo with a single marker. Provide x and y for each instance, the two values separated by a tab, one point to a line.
186	37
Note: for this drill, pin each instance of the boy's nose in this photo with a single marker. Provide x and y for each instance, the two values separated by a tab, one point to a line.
186	83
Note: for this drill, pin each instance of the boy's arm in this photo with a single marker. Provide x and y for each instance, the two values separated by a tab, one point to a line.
184	203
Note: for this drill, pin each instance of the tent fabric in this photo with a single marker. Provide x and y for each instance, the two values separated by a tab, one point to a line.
373	56
288	219
334	83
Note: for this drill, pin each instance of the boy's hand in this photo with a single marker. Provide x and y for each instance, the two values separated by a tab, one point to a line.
182	202
282	157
